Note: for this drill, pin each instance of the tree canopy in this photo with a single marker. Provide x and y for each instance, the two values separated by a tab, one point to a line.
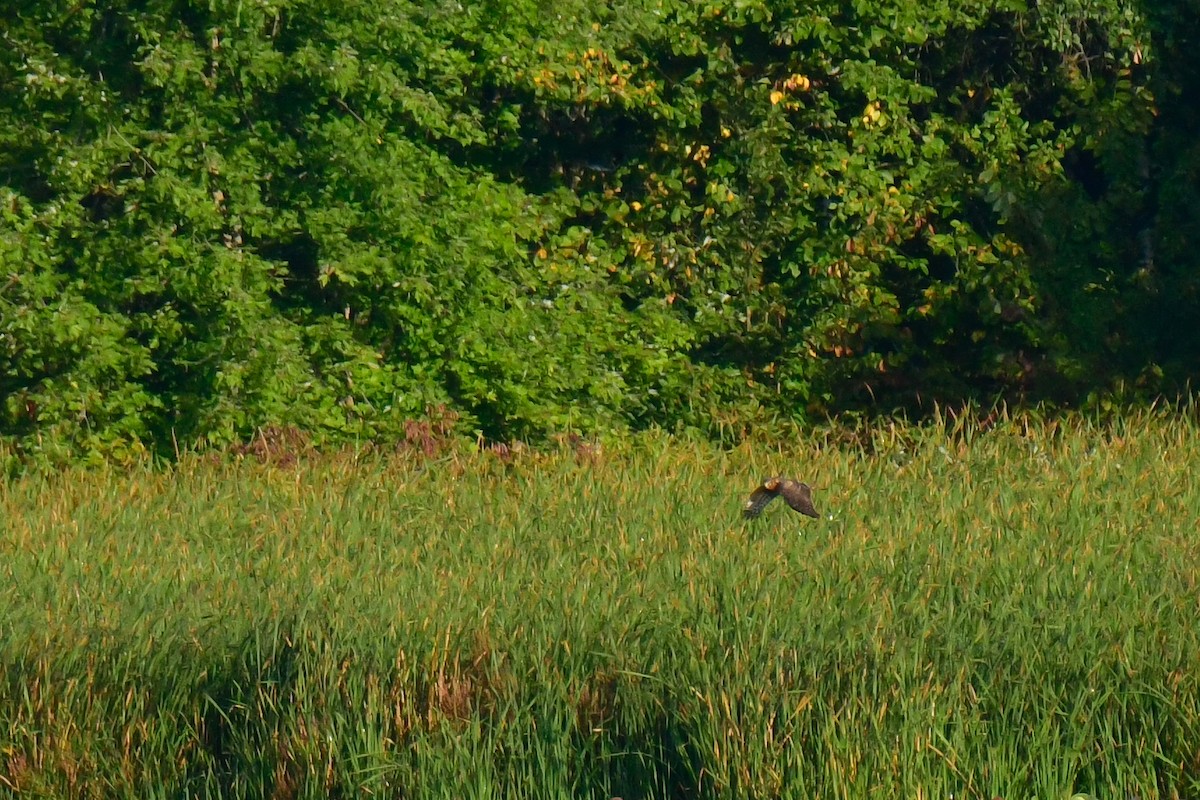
336	214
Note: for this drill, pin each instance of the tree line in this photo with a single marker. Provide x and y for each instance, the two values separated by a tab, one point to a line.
334	215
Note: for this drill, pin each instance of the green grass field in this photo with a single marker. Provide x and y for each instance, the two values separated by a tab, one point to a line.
1012	613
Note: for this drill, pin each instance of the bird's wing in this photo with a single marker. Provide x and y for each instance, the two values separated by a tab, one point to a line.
758	500
799	497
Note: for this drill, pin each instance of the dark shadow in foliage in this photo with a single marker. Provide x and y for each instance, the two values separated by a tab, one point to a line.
235	733
1120	286
300	291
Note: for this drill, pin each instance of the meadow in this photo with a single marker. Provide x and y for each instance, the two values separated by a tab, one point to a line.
1005	612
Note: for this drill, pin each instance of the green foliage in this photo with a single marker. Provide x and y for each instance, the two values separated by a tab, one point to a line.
334	215
1120	271
1001	613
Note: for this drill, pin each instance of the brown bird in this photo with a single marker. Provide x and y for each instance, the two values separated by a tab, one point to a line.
798	495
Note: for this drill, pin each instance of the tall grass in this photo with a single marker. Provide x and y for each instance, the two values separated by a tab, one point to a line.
1010	613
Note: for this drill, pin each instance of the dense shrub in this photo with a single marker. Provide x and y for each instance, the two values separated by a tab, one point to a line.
332	215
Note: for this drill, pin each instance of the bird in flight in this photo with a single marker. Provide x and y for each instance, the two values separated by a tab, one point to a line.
798	495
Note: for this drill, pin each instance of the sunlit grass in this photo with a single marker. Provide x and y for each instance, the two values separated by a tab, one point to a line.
1006	613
